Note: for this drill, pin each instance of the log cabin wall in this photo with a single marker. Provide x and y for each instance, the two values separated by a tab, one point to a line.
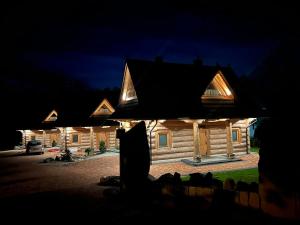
179	141
241	127
80	143
33	135
217	139
108	135
177	137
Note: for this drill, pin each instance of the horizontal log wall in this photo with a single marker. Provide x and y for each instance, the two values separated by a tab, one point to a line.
112	140
29	133
242	145
181	135
217	143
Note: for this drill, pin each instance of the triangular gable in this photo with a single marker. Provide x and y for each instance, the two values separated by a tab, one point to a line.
128	93
104	108
51	117
218	90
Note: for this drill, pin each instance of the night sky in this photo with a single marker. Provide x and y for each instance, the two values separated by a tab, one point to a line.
89	41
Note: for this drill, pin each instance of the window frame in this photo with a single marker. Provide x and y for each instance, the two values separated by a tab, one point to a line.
238	134
169	141
71	138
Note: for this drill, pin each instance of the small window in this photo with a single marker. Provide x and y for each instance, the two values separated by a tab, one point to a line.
163	139
32	138
235	135
104	110
74	138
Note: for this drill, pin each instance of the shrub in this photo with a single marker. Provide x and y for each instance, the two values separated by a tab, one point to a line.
54	143
102	146
89	151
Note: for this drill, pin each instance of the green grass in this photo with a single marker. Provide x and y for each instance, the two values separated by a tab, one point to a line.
254	149
246	175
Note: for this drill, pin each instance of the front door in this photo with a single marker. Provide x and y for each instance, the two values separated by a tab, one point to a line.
102	136
53	140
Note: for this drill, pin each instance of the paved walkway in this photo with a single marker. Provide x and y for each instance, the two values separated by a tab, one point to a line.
109	164
247	161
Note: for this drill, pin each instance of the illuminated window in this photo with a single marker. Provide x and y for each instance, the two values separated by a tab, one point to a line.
104	110
236	135
218	91
53	117
212	91
130	92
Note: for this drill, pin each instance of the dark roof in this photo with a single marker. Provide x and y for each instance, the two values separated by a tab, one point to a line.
276	79
77	111
73	110
172	90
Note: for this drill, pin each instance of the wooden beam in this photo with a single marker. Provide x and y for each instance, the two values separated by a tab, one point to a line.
44	133
197	155
248	139
91	137
229	138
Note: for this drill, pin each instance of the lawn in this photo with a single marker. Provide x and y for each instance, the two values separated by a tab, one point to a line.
254	149
246	175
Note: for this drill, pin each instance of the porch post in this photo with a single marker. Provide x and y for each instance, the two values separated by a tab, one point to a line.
197	156
44	134
248	137
229	139
65	138
91	137
24	133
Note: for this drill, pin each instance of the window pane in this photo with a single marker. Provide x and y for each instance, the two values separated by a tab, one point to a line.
234	135
75	138
163	140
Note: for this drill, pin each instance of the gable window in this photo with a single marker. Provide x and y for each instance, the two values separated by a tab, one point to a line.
104	110
218	91
236	135
212	91
163	139
128	93
53	117
32	138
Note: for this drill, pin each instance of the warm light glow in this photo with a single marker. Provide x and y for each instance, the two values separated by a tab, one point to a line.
105	127
127	92
218	90
104	108
218	120
68	129
51	117
227	91
124	96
